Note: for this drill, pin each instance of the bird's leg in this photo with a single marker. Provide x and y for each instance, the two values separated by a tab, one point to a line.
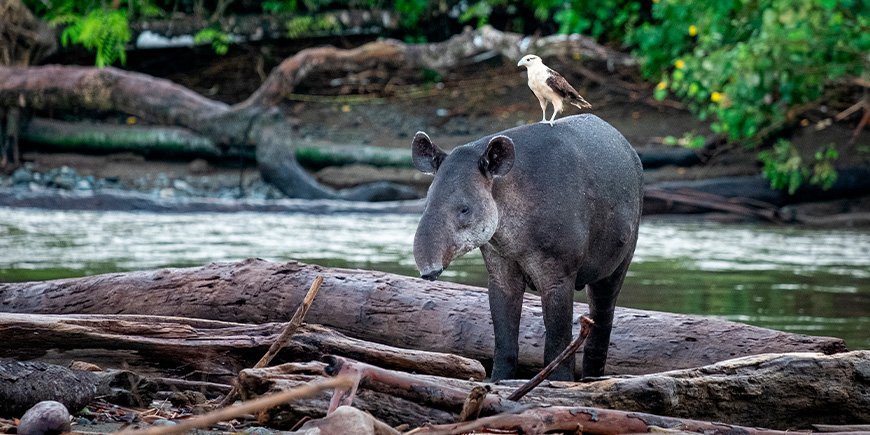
543	109
554	117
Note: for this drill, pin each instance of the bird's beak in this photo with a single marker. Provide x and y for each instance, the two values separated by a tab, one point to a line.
520	63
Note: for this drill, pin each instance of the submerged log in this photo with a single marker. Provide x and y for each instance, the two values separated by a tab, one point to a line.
212	349
781	391
395	310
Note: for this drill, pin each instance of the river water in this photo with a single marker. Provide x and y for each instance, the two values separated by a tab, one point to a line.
793	279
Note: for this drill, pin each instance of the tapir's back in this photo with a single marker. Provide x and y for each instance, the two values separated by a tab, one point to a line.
578	186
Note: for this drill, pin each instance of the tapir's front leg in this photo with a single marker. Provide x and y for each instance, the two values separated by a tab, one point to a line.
506	288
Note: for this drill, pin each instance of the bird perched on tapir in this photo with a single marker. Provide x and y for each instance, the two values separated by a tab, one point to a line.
550	87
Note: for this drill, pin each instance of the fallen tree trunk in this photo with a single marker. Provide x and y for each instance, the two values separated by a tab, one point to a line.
26	383
395	310
176	142
212	349
152	140
780	391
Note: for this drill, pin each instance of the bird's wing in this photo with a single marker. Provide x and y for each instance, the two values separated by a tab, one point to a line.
561	86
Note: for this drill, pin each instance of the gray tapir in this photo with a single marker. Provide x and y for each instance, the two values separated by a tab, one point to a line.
555	208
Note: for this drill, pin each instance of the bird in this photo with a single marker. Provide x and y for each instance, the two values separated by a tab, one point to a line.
550	87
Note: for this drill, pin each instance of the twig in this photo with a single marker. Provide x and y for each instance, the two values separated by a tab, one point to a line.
282	339
586	325
473	403
249	407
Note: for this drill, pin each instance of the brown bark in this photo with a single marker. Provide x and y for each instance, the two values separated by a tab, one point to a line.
213	349
24	39
781	391
386	407
592	421
394	310
25	383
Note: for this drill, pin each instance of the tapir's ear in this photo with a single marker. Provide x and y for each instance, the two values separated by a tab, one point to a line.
498	159
426	155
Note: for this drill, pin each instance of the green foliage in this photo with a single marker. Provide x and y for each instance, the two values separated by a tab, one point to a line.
785	168
749	63
220	40
103	31
307	25
689	140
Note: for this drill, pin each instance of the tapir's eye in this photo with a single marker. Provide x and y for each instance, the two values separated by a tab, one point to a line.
464	210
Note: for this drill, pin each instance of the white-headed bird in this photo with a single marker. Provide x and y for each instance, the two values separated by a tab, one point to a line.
550	87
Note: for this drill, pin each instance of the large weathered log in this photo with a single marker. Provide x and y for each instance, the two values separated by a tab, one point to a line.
212	349
255	27
396	310
781	391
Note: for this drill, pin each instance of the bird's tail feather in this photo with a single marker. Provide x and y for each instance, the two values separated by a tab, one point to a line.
580	102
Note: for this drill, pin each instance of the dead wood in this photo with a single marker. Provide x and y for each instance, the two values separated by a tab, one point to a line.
395	310
388	408
256	27
26	383
284	338
202	349
586	325
592	421
260	404
427	391
473	403
24	39
779	391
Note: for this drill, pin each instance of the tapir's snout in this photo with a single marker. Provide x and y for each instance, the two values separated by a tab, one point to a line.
431	275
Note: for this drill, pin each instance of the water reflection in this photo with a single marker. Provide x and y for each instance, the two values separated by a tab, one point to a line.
799	280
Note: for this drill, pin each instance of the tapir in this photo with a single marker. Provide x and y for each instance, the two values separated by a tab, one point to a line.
555	209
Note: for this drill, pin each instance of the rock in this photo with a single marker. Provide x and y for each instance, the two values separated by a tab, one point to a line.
198	166
83	184
163	422
22	175
182	186
46	417
346	419
258	430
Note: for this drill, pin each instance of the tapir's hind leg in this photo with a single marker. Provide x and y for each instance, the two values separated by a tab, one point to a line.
601	296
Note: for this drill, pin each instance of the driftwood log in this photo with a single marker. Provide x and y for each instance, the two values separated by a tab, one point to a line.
203	349
781	391
26	383
394	310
